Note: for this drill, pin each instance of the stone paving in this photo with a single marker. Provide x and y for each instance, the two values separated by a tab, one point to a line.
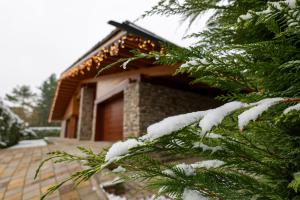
17	170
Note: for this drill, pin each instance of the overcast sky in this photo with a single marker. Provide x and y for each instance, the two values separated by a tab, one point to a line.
41	37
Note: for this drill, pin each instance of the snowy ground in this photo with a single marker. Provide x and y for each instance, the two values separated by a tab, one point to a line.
29	143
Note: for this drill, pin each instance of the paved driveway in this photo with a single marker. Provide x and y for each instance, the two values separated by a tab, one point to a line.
17	169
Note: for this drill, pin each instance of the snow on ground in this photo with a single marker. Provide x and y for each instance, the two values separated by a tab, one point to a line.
45	128
29	143
114	197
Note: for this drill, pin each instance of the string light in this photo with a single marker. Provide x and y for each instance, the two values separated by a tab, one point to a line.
105	52
96	60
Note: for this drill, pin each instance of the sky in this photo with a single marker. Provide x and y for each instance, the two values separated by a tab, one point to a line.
41	37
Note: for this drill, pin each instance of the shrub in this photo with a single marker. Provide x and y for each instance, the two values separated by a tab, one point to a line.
11	126
42	132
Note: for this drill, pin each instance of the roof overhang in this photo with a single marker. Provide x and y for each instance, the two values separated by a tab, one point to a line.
118	44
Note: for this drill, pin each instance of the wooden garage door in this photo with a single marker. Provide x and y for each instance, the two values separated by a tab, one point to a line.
109	125
71	127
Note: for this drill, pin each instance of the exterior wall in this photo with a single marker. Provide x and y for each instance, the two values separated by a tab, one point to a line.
84	131
73	108
131	115
63	128
69	122
145	104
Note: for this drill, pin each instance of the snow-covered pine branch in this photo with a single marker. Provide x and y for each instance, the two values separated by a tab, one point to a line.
208	119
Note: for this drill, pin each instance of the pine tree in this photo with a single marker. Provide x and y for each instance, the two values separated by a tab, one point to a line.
249	146
22	100
42	109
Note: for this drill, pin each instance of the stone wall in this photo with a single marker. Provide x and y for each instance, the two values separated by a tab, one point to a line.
145	104
85	118
131	116
63	128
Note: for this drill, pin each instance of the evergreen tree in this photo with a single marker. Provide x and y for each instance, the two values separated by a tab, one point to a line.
44	101
21	96
250	145
22	100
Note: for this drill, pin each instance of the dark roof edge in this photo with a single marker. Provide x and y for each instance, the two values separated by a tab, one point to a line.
95	47
137	30
125	26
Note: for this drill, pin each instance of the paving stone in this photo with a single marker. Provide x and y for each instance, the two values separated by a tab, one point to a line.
17	196
15	183
31	194
17	170
91	196
73	195
66	188
14	191
83	191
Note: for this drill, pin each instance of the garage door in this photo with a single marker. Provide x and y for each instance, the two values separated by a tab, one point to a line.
109	123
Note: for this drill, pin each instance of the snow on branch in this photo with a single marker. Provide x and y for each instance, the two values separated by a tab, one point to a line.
189	169
295	107
120	148
254	112
13	118
208	119
172	124
205	147
215	116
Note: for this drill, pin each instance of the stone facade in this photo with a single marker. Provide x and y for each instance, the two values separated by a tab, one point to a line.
145	104
85	118
131	115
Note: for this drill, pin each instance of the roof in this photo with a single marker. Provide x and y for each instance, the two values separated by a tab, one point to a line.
129	27
125	37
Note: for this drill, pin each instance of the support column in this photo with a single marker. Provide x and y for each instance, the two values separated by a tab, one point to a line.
85	118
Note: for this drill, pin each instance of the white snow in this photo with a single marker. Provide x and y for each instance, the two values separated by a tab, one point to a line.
169	172
294	107
212	135
45	128
124	65
119	169
172	124
195	62
13	118
29	143
120	148
187	169
291	3
153	197
215	116
191	62
206	147
208	164
192	195
277	4
245	17
115	197
254	112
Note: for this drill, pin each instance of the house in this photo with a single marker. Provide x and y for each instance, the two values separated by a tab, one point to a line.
120	103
